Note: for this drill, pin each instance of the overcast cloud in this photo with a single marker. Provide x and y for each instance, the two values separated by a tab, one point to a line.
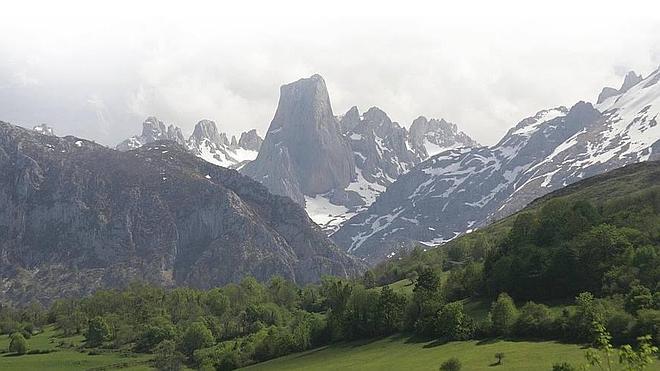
97	71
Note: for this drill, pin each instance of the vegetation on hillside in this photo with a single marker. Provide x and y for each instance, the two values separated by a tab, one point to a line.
597	257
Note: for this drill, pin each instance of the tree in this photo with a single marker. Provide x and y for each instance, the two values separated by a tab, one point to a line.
217	302
630	359
18	344
503	314
453	323
167	357
98	331
452	364
197	336
391	308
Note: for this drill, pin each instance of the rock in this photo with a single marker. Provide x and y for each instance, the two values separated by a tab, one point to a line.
303	152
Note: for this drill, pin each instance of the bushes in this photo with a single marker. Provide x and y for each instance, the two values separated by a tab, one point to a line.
534	320
452	364
18	344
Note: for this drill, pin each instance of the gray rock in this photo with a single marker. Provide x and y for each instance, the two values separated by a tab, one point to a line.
303	152
250	140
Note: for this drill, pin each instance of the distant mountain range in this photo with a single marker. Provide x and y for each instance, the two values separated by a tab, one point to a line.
205	142
459	190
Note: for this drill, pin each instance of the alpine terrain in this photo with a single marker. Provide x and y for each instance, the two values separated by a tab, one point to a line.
459	190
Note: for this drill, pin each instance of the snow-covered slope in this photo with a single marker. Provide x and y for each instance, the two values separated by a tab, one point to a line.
383	150
206	142
209	144
462	189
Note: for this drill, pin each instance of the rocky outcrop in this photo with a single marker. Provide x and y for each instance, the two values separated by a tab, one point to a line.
76	216
303	152
250	140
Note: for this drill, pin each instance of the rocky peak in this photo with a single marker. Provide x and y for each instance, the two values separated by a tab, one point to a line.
250	140
208	130
631	79
152	130
350	119
304	128
430	137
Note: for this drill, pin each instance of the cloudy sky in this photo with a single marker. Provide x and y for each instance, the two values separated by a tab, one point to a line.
97	69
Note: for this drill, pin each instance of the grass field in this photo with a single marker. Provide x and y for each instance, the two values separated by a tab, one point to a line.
66	355
400	353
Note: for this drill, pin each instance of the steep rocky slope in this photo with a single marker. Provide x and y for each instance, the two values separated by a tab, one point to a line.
303	152
75	216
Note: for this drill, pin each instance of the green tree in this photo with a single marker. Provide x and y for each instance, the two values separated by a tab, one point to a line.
503	313
197	336
98	331
453	323
167	358
18	344
452	364
391	310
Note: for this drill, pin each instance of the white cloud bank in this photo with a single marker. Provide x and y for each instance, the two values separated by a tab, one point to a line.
96	69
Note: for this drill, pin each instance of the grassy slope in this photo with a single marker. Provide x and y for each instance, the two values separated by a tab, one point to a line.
400	353
64	358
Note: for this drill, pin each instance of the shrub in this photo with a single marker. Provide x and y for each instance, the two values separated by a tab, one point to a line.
452	364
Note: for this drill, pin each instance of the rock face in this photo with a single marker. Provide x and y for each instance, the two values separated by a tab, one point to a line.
459	190
206	142
250	140
303	152
76	216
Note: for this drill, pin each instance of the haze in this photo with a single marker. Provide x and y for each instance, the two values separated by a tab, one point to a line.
97	70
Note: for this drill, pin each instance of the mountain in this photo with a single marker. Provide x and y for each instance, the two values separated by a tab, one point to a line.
76	216
463	189
206	142
430	137
337	166
152	130
209	144
303	152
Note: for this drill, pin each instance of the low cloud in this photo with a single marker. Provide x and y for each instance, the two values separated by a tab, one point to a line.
97	73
